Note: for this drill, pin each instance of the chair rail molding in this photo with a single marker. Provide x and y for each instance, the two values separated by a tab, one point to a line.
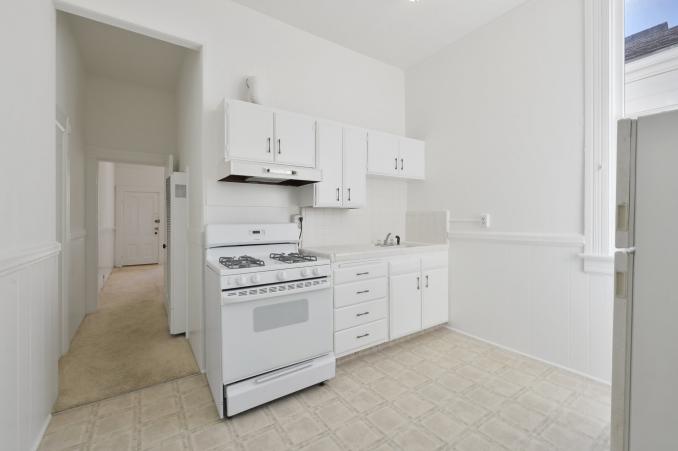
22	258
540	239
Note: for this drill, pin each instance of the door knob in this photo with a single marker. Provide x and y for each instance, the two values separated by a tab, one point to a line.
157	221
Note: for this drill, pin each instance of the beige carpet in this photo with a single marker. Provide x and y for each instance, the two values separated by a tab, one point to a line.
125	345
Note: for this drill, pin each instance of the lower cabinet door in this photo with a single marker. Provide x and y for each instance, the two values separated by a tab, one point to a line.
435	303
405	304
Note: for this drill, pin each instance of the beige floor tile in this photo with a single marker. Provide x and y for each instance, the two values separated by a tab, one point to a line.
527	419
250	421
71	416
473	373
536	402
211	436
411	379
323	444
175	443
387	419
454	382
434	393
152	394
335	414
202	416
117	404
188	384
159	407
67	436
388	388
317	395
365	400
430	369
197	398
591	408
302	429
413	405
551	391
367	374
503	433
502	387
477	442
465	410
357	435
287	407
580	423
485	398
122	441
566	439
517	377
389	366
122	420
444	426
414	438
160	429
269	440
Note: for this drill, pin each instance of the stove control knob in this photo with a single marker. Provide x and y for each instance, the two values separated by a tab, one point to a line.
316	271
240	281
255	278
281	275
305	272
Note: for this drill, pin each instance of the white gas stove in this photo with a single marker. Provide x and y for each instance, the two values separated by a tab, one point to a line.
268	315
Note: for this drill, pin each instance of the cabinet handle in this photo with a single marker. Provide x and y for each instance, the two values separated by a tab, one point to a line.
279	147
396	161
362	292
418	287
362	273
362	314
402	166
427	281
269	144
349	194
362	336
337	194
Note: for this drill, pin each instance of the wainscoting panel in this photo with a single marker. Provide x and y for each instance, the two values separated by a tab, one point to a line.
77	306
530	294
29	346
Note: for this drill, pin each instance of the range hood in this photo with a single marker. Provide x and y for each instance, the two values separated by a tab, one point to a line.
269	174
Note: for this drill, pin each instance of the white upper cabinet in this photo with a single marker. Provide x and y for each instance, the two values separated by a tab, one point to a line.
294	139
354	168
249	132
390	155
328	193
257	133
412	161
383	154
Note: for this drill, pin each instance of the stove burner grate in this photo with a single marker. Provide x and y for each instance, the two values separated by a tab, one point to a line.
293	257
244	261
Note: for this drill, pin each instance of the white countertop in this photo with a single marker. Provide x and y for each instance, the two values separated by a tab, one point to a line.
365	251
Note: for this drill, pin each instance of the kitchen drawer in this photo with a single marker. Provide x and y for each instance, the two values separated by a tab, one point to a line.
355	315
360	337
353	293
434	260
404	265
354	272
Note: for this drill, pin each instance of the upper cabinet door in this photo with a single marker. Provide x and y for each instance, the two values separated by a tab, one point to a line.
328	193
249	132
382	154
355	168
412	162
294	139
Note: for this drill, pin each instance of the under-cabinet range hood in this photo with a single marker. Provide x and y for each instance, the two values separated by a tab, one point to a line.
270	174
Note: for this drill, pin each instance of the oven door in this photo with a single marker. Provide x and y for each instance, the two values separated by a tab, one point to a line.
265	334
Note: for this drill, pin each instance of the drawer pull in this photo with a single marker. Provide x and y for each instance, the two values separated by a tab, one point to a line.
362	273
362	314
362	292
362	336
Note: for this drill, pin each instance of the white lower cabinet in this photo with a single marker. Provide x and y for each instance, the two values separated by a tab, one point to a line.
377	301
405	303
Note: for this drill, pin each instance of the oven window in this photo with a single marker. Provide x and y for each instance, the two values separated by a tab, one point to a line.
280	315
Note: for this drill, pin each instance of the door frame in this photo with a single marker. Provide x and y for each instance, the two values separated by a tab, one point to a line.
119	235
63	224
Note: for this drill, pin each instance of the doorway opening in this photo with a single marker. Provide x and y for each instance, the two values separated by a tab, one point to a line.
130	98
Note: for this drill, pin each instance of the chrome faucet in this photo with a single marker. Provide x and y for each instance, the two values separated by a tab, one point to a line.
388	235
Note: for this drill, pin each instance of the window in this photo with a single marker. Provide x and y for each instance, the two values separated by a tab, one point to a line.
650	56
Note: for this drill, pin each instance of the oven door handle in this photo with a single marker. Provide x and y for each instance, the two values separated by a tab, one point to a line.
270	377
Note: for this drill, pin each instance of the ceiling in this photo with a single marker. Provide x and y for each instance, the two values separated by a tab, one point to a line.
126	56
398	32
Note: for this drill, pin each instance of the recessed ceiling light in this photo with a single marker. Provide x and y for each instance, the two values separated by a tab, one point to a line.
415	1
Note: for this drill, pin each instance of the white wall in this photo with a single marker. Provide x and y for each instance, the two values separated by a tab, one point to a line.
145	178
502	115
70	79
130	117
302	73
106	229
29	316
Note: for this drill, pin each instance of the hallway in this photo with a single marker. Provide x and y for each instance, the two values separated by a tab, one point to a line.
125	345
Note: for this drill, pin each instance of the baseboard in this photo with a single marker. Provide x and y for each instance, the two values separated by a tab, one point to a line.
43	429
506	348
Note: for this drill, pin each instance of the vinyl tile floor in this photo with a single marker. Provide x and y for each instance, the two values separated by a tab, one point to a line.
437	391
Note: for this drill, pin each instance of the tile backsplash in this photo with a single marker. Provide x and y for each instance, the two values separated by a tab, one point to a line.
385	212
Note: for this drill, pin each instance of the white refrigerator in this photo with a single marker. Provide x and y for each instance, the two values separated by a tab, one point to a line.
645	346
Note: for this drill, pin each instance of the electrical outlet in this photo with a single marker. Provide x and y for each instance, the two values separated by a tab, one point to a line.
485	220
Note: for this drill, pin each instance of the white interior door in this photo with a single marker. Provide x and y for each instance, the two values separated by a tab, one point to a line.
140	227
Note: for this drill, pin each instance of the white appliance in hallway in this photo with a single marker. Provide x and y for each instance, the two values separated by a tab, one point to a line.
268	315
645	352
176	244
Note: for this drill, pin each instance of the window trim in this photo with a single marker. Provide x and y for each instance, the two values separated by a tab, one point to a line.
603	106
